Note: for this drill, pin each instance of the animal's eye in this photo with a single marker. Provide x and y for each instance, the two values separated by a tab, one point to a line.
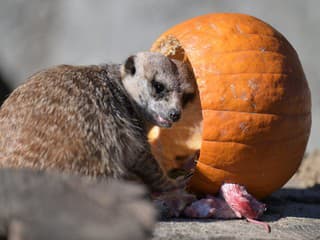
159	87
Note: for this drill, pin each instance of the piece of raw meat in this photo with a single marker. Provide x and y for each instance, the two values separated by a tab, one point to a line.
233	201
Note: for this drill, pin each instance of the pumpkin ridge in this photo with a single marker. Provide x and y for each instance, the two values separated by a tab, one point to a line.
278	38
246	172
250	50
262	73
226	170
287	139
259	113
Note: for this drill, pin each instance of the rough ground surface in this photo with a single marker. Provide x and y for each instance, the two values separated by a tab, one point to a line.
293	213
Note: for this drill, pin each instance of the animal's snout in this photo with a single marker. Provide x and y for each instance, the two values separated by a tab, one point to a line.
174	115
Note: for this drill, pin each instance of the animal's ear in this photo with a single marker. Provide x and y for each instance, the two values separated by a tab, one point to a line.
129	65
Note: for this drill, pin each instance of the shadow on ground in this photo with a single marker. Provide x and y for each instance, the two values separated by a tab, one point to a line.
294	202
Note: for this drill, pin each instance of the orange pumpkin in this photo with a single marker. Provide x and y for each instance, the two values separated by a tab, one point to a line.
252	118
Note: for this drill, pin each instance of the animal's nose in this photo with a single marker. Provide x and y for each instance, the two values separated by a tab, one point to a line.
174	115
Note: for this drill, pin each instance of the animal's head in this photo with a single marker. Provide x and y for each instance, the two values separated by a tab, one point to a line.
159	86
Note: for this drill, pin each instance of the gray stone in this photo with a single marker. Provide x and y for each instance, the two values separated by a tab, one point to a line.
36	205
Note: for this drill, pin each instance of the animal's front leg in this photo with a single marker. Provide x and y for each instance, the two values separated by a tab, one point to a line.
149	171
169	196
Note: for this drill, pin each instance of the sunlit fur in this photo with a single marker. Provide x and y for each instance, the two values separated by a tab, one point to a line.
90	119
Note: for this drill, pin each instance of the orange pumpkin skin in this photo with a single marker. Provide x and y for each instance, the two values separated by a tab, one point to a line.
255	102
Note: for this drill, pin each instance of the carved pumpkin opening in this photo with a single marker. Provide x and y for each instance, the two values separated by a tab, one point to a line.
187	131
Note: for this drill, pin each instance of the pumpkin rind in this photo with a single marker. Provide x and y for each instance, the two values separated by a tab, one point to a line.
255	102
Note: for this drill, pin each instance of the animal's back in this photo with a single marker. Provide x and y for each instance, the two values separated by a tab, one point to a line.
54	121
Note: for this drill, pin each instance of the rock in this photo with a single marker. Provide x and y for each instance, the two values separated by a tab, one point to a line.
308	173
36	205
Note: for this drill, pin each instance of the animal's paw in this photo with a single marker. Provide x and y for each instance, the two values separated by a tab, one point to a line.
209	207
171	204
182	181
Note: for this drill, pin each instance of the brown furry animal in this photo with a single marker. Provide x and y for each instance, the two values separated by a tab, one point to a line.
93	120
